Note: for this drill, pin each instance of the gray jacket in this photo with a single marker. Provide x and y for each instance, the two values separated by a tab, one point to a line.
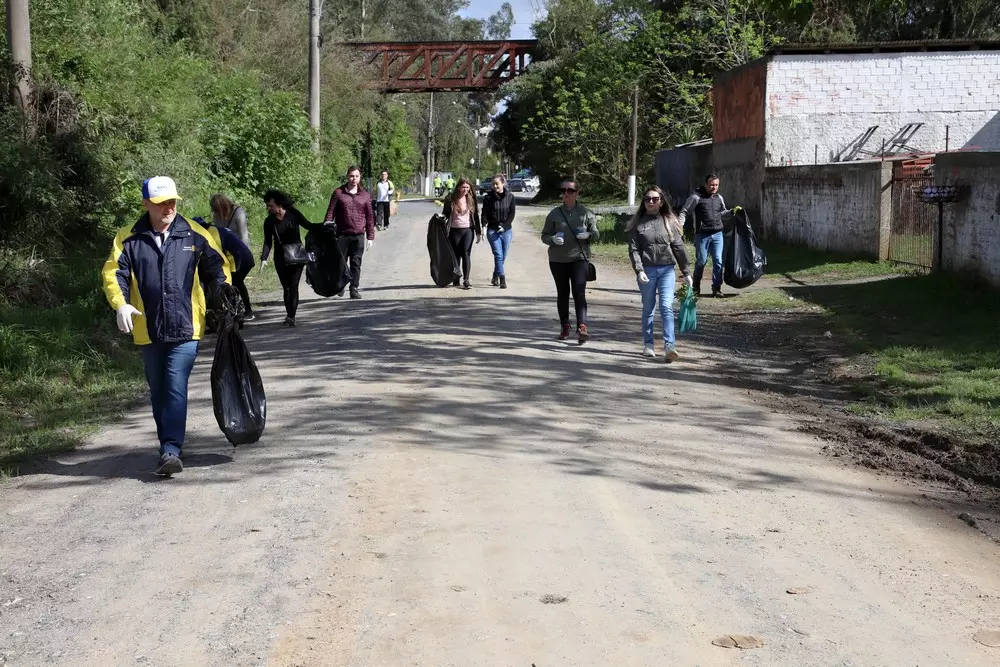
567	221
652	242
237	224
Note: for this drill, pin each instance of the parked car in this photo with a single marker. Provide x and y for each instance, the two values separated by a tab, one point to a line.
517	185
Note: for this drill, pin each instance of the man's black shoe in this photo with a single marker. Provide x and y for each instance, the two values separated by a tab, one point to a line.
455	282
717	292
355	294
170	464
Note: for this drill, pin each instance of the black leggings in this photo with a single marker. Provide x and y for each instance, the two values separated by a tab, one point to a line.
289	277
382	208
570	275
241	288
461	243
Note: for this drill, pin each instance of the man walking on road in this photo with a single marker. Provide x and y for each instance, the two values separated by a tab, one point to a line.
438	184
707	210
350	211
384	191
153	281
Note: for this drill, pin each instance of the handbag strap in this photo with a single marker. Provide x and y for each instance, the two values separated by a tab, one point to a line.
571	233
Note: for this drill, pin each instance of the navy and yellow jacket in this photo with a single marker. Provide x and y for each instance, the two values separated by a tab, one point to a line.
164	284
239	258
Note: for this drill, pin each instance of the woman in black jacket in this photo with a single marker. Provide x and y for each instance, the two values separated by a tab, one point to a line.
498	215
282	225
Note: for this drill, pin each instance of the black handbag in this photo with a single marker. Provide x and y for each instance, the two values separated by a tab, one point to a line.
591	269
294	254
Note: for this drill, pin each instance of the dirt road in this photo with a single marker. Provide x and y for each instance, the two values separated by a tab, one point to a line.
444	483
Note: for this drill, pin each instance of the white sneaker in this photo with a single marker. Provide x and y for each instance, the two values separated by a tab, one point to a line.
670	355
647	351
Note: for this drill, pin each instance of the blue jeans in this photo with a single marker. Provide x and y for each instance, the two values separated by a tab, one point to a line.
662	281
500	243
168	367
702	244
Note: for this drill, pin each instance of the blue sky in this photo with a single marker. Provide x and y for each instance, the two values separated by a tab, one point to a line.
523	14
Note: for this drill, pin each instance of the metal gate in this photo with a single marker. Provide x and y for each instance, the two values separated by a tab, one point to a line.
911	232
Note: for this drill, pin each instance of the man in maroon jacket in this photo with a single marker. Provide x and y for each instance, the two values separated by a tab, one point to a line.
350	211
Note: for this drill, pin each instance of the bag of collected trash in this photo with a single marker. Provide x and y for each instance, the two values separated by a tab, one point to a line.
326	271
743	261
688	319
237	390
444	265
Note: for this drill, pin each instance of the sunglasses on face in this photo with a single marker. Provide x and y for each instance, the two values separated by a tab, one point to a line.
565	190
651	199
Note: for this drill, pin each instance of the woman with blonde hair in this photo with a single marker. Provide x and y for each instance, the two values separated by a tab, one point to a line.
227	214
462	213
656	247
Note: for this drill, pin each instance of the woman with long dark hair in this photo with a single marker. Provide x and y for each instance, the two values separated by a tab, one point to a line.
498	216
282	228
568	231
461	210
656	247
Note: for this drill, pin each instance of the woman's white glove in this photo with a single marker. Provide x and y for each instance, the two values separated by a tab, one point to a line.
643	278
263	263
125	315
583	236
689	280
368	244
558	239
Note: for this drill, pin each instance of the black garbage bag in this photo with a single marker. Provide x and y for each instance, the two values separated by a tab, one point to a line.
237	390
743	261
444	265
326	270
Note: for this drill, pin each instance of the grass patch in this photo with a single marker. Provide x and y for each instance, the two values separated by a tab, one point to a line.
64	367
935	341
806	264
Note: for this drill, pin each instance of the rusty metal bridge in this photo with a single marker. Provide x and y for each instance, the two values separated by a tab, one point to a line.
430	67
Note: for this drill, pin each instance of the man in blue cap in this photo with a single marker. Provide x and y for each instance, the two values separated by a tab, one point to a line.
153	280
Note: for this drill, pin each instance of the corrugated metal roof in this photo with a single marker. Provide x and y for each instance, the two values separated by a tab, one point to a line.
888	47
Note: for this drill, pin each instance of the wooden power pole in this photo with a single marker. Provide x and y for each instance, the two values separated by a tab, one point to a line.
315	10
19	38
635	145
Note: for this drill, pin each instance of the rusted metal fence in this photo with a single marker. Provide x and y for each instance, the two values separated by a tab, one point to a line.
911	233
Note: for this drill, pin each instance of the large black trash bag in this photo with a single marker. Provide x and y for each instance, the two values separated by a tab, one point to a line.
327	268
237	390
444	265
743	261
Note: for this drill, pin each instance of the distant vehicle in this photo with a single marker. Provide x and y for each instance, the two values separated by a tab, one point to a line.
517	185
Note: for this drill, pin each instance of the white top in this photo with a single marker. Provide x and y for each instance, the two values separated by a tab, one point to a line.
382	191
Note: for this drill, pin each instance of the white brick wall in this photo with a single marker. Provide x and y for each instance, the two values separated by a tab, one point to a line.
820	103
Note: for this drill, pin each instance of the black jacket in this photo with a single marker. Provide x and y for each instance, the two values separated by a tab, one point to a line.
706	212
286	232
498	210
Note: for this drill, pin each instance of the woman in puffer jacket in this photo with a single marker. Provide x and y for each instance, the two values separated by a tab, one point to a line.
656	248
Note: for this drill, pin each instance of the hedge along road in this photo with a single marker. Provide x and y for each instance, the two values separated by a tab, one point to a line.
442	482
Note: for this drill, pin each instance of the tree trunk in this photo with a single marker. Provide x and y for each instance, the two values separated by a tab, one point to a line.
314	16
19	38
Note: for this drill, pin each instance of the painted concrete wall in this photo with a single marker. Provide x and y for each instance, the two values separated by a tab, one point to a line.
740	165
738	103
971	239
838	207
819	104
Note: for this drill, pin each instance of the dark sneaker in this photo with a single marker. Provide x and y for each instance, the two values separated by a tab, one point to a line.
717	292
503	282
289	322
170	464
564	334
495	281
466	285
581	334
355	294
455	282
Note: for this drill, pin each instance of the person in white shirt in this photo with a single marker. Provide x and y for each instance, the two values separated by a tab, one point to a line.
384	191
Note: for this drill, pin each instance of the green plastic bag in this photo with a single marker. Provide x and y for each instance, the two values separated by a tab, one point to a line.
688	320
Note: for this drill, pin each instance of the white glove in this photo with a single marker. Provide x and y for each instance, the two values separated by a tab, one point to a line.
643	278
584	235
263	263
368	244
125	315
558	239
689	280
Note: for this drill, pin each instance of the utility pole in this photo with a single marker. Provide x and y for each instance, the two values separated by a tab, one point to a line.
315	10
635	142
19	38
479	153
429	180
